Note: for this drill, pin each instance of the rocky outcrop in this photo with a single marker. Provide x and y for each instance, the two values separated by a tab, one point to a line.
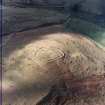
81	92
53	69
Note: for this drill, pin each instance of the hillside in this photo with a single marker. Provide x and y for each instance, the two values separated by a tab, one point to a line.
64	68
